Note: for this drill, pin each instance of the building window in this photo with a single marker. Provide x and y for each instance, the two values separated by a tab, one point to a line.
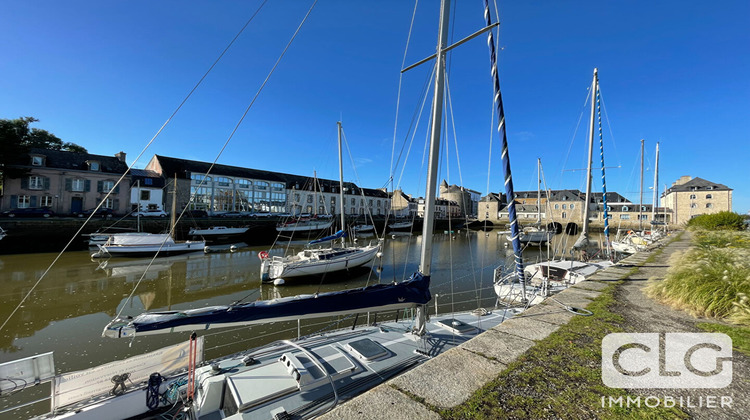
572	206
565	206
94	166
309	199
354	201
148	181
709	196
145	195
223	181
37	161
564	215
709	206
77	185
296	197
625	208
625	216
23	201
199	178
108	186
557	206
242	183
109	203
46	201
693	206
36	183
692	196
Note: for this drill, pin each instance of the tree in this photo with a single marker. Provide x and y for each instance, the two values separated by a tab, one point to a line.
17	138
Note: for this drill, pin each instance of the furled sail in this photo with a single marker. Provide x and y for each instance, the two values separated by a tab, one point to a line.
380	297
604	179
509	193
338	235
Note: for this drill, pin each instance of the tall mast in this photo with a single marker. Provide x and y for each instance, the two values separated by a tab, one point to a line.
655	200
341	182
173	218
538	190
604	178
434	158
640	205
583	239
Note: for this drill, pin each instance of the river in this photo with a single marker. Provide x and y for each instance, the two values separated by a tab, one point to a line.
70	306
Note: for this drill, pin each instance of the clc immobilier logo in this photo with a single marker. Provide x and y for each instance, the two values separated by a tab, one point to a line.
667	360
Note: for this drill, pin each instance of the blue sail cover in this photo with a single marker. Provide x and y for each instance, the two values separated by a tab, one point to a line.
514	230
338	235
601	153
409	293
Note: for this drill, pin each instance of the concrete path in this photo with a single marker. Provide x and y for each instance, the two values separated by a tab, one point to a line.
451	378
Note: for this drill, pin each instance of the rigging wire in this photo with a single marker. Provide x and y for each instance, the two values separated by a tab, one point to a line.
122	177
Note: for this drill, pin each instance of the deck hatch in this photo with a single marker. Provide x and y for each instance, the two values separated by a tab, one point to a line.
456	326
367	349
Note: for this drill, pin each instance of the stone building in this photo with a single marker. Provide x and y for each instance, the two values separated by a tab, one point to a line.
467	200
689	197
68	182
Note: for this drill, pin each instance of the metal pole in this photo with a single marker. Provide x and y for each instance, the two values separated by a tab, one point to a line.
341	184
640	206
656	186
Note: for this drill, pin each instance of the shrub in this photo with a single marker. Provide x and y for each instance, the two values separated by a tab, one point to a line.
725	220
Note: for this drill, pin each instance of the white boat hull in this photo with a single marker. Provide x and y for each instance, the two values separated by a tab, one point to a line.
306	263
305	226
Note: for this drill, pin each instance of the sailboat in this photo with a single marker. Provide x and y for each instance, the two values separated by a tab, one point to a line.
536	234
287	379
139	244
545	278
313	262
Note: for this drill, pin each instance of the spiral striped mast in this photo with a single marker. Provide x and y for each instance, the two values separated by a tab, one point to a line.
601	153
514	231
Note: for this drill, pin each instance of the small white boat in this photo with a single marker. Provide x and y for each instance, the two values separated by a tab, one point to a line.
3	233
532	235
313	262
145	245
100	238
364	228
217	232
407	225
310	225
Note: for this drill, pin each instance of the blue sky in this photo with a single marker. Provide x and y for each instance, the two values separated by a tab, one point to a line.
106	75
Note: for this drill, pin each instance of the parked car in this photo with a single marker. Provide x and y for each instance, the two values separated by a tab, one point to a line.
102	212
196	213
149	213
29	212
260	214
234	214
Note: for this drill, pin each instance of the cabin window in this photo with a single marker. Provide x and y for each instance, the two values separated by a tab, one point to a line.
709	206
37	161
24	201
77	185
709	196
94	166
36	183
46	201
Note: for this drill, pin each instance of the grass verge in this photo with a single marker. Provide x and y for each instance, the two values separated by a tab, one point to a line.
712	279
740	335
560	377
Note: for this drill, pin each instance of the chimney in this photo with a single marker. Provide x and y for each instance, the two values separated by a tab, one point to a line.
121	157
683	179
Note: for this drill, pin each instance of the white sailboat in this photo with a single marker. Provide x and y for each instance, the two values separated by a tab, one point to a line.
545	278
285	379
315	262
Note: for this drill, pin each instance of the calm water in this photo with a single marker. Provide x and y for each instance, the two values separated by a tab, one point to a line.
69	308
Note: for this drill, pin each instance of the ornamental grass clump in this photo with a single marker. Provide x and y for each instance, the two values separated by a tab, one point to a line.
712	279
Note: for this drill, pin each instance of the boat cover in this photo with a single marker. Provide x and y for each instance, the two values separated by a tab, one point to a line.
409	293
338	235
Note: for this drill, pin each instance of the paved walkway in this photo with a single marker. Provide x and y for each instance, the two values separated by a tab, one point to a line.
451	378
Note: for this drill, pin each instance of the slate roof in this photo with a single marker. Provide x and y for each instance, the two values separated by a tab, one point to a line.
698	184
59	159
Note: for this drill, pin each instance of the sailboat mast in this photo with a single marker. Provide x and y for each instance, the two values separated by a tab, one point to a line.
173	216
604	178
583	239
655	200
538	190
341	182
434	159
640	204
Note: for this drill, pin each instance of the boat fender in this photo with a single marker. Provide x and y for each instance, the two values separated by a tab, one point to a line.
278	282
152	391
263	255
